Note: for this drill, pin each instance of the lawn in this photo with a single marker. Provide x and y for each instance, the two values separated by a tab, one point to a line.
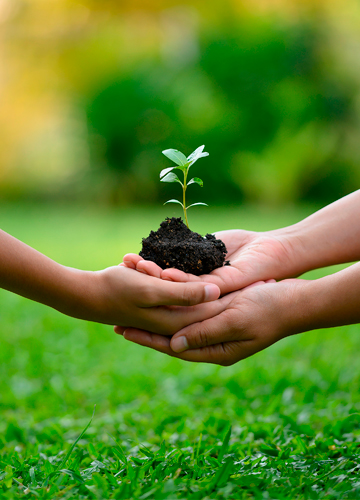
284	424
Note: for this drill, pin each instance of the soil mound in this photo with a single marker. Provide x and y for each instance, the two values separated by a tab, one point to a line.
175	245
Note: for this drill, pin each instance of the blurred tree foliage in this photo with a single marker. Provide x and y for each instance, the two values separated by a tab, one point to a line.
269	96
256	97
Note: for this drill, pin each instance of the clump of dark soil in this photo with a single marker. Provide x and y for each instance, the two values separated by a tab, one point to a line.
175	245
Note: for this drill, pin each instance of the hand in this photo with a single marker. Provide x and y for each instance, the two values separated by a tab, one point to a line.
253	257
114	295
252	319
121	295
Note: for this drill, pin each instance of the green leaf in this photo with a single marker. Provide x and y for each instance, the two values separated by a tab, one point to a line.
119	452
222	474
171	177
174	201
166	171
199	203
176	156
74	475
32	476
267	450
145	451
8	476
195	155
196	180
225	445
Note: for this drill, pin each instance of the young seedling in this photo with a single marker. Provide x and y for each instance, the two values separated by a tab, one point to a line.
183	164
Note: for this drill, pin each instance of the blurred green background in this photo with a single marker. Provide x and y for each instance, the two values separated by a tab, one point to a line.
91	92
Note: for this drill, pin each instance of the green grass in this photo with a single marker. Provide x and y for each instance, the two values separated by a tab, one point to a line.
284	424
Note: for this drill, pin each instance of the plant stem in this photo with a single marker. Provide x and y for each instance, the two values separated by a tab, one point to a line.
184	202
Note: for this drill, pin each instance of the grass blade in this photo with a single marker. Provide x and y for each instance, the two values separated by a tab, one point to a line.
62	464
221	475
225	445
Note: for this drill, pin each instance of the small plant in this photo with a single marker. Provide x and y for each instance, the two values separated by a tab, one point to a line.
174	244
183	164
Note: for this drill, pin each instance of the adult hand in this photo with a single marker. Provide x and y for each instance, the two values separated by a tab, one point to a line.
252	319
253	257
317	241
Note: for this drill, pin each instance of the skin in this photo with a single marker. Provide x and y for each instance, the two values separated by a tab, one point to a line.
255	317
315	242
114	295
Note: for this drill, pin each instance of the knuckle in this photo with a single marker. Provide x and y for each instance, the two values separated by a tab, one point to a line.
202	338
190	295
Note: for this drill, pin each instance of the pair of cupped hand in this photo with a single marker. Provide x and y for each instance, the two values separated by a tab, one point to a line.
251	313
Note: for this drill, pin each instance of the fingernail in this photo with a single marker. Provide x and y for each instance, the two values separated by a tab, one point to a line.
211	293
180	344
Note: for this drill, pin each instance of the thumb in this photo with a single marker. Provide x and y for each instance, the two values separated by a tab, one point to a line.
184	294
216	330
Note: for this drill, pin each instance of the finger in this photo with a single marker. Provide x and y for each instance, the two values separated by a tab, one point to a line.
257	283
183	294
131	259
166	320
149	267
216	330
173	274
232	239
227	278
223	354
119	329
148	339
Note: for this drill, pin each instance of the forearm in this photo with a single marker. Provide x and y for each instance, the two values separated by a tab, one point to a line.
327	302
329	236
27	272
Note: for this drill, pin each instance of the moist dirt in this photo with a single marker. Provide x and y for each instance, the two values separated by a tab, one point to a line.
175	245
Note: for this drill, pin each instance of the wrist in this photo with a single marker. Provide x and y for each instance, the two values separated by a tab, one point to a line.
301	307
300	249
318	240
75	294
335	298
322	303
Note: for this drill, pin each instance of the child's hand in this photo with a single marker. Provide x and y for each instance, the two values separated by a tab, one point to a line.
115	295
252	319
118	295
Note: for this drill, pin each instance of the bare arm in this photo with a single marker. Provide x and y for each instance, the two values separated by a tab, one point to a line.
27	272
113	295
327	237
